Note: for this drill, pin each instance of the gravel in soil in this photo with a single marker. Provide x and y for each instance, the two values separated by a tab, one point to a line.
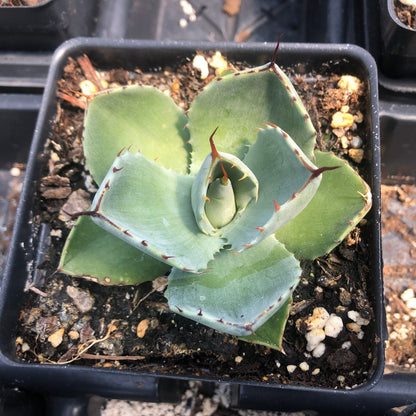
195	402
71	320
399	251
20	3
10	187
406	12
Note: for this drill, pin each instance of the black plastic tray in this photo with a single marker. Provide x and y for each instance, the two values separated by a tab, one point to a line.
79	381
398	44
46	25
398	142
326	21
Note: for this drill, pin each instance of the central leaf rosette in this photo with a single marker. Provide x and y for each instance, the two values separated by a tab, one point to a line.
229	202
222	189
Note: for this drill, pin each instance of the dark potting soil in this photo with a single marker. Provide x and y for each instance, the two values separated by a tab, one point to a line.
406	14
399	248
20	3
71	320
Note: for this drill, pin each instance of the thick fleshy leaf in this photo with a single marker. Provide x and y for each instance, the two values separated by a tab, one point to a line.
93	253
271	332
287	182
340	203
150	208
241	102
241	291
136	117
244	184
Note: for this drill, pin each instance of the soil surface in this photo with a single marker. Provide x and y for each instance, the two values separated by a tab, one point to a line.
71	320
10	187
405	13
20	3
399	250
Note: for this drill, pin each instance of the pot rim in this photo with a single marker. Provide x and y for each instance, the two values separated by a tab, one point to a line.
39	377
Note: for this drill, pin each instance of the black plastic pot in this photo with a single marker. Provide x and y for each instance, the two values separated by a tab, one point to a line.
398	44
46	25
28	241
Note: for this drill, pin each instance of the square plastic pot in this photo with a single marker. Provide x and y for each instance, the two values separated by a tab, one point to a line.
47	24
27	237
398	44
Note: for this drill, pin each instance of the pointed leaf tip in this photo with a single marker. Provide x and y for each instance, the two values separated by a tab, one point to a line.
319	171
277	48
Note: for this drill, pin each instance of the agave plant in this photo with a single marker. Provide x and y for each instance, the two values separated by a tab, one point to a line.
225	198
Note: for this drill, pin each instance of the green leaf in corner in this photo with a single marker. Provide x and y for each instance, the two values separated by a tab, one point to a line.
91	252
270	334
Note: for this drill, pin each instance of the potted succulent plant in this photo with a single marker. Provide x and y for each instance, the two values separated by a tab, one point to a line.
234	157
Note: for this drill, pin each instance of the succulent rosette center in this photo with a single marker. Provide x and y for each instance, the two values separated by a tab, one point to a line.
221	191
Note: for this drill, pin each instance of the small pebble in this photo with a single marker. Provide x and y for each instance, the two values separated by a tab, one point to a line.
15	172
349	82
25	347
187	7
356	317
142	328
344	297
56	338
333	326
183	23
218	63
201	64
319	350
238	359
358	118
356	155
411	303
82	298
340	309
316	371
318	319
304	366
345	143
56	233
346	345
356	142
291	368
54	157
74	335
407	294
341	379
340	119
88	87
314	338
353	327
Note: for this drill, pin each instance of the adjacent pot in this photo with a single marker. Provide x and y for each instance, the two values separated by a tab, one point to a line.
398	44
28	243
45	25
